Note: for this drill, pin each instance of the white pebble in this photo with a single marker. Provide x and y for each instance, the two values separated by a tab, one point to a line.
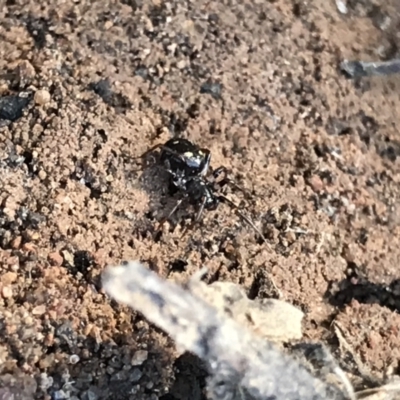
341	6
74	359
139	357
7	292
42	97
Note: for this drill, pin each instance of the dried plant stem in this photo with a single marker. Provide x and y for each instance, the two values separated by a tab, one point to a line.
240	364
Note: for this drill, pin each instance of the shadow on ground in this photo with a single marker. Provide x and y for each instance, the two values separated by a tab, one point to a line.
355	287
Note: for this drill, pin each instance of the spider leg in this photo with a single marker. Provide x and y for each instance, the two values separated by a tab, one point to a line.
157	146
224	199
198	217
201	210
207	162
147	152
220	170
226	180
165	219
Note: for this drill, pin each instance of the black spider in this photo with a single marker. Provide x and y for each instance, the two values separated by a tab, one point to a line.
189	168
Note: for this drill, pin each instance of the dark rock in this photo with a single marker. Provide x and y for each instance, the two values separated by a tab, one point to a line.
102	88
178	266
11	107
83	260
212	88
142	71
38	29
115	100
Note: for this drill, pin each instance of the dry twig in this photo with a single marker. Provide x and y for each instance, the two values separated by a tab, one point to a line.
241	365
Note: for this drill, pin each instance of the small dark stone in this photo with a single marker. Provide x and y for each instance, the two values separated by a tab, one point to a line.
66	336
178	266
214	18
102	88
194	110
390	152
31	219
38	29
103	135
176	124
15	159
11	107
142	72
213	88
363	236
135	375
115	100
83	260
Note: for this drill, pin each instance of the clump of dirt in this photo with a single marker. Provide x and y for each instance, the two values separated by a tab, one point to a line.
87	87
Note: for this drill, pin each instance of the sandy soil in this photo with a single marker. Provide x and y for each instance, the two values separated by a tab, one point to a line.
86	87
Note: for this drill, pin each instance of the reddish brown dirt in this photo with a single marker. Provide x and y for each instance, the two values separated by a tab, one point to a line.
321	153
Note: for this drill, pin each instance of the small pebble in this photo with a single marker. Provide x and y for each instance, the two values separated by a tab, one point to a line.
181	64
341	6
46	381
149	385
42	97
172	47
16	243
146	52
68	257
55	258
139	357
212	88
7	292
9	277
42	175
39	310
29	247
32	235
74	359
135	375
108	25
11	107
316	183
110	370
